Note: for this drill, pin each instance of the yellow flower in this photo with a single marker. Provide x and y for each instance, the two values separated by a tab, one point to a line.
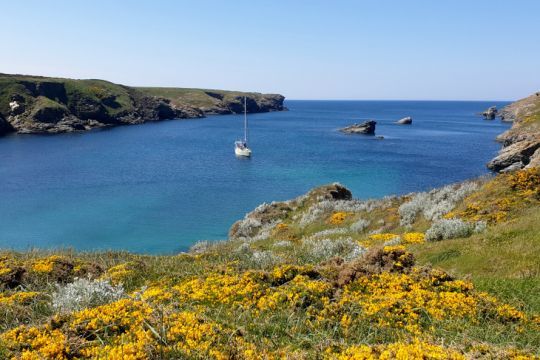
413	238
46	265
338	217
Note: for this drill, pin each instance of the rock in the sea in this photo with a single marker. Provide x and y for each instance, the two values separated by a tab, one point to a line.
490	113
367	127
405	121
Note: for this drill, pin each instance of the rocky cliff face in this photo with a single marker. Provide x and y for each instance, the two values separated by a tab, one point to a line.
31	104
521	144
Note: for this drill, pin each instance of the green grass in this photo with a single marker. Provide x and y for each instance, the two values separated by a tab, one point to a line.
502	261
194	97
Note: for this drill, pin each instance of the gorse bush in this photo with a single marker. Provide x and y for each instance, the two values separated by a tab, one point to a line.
84	293
449	229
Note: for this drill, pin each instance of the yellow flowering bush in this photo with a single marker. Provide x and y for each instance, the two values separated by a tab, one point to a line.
299	292
35	343
18	298
527	182
338	217
282	226
402	301
413	238
416	349
232	289
46	265
501	196
378	239
120	273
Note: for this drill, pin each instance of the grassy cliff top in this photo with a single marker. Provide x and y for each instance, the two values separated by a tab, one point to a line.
525	113
61	91
196	97
25	85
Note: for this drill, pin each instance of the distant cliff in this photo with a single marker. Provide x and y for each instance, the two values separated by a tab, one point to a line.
521	144
33	104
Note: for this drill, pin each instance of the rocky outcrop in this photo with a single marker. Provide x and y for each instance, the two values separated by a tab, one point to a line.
266	216
5	127
367	127
405	121
255	103
490	113
521	144
515	156
31	104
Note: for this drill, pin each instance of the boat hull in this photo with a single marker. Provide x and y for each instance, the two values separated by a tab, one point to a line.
242	152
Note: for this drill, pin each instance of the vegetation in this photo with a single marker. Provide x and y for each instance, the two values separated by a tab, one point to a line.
41	92
322	276
32	104
199	98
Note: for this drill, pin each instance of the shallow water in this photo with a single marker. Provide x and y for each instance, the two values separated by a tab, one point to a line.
159	187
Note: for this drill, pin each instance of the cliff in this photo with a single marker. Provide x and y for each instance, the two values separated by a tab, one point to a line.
32	104
521	144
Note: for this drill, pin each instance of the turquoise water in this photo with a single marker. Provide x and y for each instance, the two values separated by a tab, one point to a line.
159	187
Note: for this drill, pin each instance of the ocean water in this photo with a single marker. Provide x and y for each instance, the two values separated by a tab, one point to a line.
160	187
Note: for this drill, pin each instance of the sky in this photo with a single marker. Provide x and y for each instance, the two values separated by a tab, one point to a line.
303	49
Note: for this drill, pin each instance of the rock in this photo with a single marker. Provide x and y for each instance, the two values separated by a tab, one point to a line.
515	155
405	121
521	143
367	127
534	160
5	126
380	137
255	103
490	113
514	167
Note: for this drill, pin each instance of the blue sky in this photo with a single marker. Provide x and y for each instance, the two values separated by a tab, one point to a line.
416	49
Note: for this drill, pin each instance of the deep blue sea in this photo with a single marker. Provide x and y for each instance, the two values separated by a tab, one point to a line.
159	187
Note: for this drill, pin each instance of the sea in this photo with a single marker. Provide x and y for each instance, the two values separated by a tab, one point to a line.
159	187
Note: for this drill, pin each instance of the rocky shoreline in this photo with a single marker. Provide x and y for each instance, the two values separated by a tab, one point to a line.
37	105
521	144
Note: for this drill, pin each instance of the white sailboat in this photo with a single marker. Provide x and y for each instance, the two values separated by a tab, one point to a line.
241	146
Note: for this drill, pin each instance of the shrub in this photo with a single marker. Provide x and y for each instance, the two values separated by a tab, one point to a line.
265	259
449	229
326	233
321	250
434	204
360	225
84	293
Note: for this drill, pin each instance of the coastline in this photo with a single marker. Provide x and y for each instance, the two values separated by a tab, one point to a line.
36	105
430	273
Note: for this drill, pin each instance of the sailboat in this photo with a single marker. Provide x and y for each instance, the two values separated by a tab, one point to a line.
241	146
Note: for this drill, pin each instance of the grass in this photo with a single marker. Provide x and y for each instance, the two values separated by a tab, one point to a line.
502	261
200	98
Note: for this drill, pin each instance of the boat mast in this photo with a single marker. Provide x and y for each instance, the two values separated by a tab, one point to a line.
245	121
